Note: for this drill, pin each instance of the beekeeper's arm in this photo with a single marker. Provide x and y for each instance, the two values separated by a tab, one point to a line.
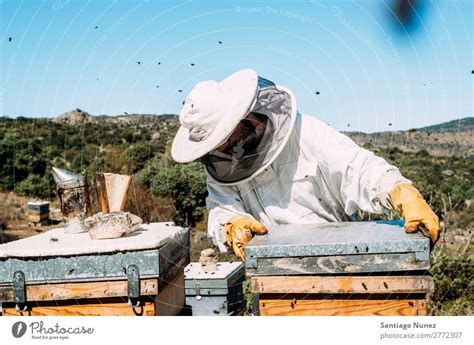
366	181
228	223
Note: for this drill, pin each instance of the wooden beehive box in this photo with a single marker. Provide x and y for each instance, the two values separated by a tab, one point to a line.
215	293
38	211
354	268
70	274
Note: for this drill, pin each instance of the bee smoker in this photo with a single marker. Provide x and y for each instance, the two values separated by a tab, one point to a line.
73	194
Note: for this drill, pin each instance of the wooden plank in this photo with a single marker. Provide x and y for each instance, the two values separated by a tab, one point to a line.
338	264
36	218
85	290
342	284
313	307
170	301
82	308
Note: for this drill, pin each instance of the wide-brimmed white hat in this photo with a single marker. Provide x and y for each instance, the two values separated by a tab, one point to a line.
211	112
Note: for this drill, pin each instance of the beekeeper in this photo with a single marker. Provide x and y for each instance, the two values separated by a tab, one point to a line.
269	164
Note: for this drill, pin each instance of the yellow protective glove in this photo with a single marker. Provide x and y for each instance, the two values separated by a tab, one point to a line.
240	230
408	201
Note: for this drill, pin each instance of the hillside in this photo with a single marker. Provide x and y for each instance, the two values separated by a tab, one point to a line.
453	138
460	125
140	145
445	139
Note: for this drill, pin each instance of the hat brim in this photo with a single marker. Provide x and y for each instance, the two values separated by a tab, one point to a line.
242	88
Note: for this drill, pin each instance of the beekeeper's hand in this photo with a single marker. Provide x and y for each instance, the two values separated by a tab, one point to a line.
240	230
408	201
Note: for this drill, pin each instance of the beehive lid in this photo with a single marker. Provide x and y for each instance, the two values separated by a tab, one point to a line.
357	245
56	243
38	206
37	203
58	257
227	274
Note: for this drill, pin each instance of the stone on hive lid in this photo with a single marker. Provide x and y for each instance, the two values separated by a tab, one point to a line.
208	260
111	225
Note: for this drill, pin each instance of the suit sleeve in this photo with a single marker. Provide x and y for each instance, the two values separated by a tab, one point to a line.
223	202
359	178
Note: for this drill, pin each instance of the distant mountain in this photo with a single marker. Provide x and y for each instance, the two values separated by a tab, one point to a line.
79	117
465	124
444	139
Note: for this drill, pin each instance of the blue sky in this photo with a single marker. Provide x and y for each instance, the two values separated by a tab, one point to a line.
368	71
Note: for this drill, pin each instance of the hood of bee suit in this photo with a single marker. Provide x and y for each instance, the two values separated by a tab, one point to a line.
239	164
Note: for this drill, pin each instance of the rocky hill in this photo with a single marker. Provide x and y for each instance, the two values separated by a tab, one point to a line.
74	117
79	117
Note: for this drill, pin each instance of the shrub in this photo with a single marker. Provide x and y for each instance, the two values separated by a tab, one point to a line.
186	185
38	186
454	281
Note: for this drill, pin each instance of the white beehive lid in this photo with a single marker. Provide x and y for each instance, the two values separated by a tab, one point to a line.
224	270
56	243
37	203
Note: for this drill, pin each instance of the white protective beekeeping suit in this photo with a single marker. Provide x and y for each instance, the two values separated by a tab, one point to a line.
313	174
302	171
